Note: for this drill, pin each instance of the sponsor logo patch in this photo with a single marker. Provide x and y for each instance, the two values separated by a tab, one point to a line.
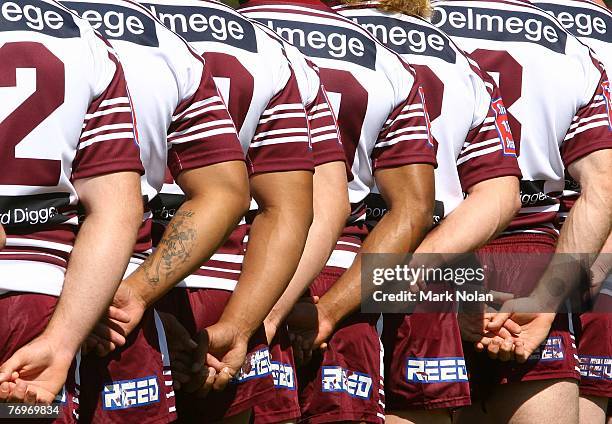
436	370
283	375
594	367
257	365
503	127
130	393
551	350
337	379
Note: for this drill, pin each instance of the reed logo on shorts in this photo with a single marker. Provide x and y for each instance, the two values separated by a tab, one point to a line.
257	365
283	375
337	379
551	350
596	367
130	393
436	370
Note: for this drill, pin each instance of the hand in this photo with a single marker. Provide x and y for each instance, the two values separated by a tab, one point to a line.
310	327
225	350
35	373
535	326
599	272
183	352
124	314
271	329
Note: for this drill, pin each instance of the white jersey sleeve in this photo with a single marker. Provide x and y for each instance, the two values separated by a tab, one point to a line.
66	116
468	118
553	89
591	24
182	120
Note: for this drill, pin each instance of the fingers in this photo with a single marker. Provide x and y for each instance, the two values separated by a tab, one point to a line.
512	327
9	370
18	394
222	379
499	297
203	391
520	352
506	350
497	321
5	390
493	348
118	314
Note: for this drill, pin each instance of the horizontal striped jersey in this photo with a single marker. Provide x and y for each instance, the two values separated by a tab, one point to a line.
468	117
65	115
182	121
260	87
554	89
375	96
592	24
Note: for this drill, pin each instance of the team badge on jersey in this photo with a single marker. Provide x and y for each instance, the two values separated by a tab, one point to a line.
608	96
427	120
503	127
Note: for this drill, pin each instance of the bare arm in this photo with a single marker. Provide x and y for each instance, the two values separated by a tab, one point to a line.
2	237
276	242
113	209
409	194
331	210
487	210
586	228
217	197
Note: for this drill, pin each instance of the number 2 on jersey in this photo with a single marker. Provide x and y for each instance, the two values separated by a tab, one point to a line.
42	98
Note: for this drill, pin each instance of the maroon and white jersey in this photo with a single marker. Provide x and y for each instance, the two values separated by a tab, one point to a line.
182	120
323	128
65	114
259	86
592	24
556	93
378	104
468	117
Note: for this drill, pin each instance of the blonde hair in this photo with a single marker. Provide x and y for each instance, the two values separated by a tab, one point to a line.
420	8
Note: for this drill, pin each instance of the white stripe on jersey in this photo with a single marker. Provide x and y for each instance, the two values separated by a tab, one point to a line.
280	140
197	105
281	131
320	115
478	153
106	137
407	129
204	134
323	129
480	144
319	138
107	112
23	242
396	140
194	128
301	114
601	123
287	106
590	118
115	101
107	128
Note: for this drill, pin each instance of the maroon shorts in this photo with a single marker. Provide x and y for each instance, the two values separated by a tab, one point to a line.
594	336
23	316
424	363
557	356
285	406
197	309
132	384
345	382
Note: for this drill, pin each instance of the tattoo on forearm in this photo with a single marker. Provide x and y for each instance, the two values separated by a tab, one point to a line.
174	248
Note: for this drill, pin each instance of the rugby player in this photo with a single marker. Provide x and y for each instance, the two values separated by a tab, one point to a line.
477	156
381	114
591	23
200	147
230	295
68	137
561	121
